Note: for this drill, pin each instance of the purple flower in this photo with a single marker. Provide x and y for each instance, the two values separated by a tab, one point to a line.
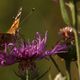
29	51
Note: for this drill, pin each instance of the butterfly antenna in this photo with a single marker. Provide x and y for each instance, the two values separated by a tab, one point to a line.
29	14
19	13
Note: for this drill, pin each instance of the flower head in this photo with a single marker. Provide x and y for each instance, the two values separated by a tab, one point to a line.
26	53
67	33
68	39
29	51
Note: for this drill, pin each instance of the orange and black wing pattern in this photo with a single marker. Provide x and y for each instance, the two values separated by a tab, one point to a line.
15	24
10	34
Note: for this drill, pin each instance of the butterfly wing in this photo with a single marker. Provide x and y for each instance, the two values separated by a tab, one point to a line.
15	24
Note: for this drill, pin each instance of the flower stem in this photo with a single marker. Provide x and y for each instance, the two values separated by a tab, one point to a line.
77	50
73	8
27	76
74	12
68	74
64	12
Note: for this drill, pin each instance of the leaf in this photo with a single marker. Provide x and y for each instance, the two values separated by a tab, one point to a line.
38	78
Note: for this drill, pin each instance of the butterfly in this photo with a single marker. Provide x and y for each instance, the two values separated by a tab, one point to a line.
10	34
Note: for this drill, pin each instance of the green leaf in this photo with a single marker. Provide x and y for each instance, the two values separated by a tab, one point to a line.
41	76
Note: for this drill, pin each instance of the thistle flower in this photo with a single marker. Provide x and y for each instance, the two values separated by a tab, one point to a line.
28	51
67	33
68	38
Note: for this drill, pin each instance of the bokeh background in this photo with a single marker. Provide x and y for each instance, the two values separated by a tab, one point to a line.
46	17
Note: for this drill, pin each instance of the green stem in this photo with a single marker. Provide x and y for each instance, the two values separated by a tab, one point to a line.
50	77
73	8
27	76
77	50
75	14
64	12
68	76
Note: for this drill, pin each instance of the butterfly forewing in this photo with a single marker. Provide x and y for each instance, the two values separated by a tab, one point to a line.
15	24
14	27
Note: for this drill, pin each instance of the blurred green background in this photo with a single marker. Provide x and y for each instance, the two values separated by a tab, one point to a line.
46	16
